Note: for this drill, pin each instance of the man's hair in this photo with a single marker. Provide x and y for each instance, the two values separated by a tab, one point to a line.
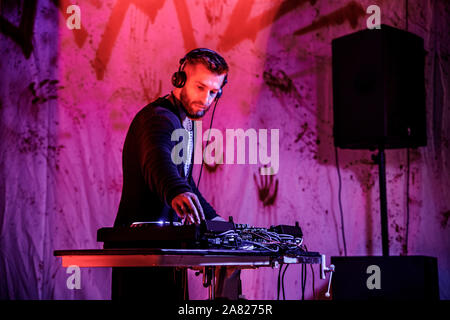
209	58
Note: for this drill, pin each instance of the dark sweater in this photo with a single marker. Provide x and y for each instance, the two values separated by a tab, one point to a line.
150	178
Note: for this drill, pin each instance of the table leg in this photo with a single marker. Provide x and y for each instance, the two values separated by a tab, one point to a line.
209	280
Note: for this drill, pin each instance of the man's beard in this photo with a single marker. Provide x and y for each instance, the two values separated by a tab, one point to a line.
186	104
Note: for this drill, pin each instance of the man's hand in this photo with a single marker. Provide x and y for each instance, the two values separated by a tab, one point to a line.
188	208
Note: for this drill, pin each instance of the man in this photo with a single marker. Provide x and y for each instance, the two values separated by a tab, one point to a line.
154	187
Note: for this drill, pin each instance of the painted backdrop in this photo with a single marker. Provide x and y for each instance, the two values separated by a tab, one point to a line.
67	97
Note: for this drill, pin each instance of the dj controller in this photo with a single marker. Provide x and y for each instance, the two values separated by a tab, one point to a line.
280	239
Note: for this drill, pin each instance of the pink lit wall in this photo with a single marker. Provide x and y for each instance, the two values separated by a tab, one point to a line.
67	98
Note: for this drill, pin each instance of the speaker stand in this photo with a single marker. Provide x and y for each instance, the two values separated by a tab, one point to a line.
381	160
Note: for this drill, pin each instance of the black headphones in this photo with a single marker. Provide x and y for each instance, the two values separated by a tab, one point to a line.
179	78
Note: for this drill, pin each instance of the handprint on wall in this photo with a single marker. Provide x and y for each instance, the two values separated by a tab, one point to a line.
267	189
210	162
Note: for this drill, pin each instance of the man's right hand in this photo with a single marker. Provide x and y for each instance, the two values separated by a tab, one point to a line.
188	208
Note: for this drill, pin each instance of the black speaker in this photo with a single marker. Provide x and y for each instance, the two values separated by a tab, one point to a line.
385	278
379	89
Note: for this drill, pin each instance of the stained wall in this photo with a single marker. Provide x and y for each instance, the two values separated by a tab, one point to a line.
68	96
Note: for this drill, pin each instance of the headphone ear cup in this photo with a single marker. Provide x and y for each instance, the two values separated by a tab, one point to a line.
225	80
179	79
174	78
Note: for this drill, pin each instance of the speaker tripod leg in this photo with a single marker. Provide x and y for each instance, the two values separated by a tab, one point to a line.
381	160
